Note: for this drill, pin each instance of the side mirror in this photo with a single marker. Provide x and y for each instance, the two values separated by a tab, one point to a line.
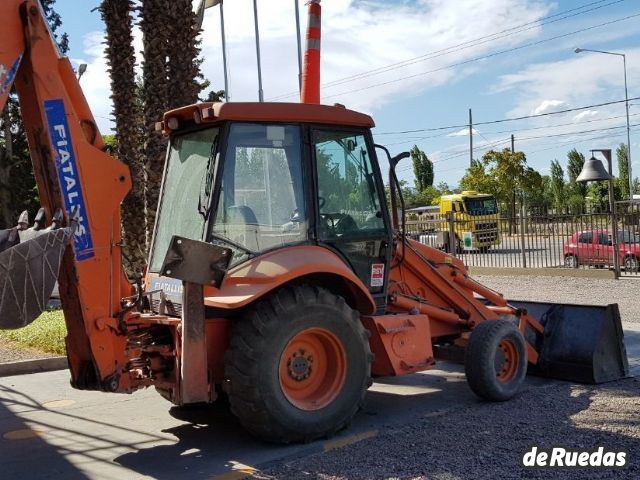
401	156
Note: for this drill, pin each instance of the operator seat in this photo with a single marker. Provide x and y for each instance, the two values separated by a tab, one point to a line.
242	226
241	214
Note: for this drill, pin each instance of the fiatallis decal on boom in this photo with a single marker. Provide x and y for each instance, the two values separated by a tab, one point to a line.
69	177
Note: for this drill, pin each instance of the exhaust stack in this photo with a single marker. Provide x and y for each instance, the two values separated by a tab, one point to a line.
311	73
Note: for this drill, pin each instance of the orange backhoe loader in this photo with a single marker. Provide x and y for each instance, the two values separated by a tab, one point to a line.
278	276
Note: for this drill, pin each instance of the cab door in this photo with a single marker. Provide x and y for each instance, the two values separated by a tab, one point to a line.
604	248
351	213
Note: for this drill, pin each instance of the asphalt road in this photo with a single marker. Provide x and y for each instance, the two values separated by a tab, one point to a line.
48	430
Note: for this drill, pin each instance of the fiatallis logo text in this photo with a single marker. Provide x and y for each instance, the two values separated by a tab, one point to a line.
69	176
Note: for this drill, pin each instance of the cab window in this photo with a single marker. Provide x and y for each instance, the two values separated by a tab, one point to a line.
348	196
261	201
585	237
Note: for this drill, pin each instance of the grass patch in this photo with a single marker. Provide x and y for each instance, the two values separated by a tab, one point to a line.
45	334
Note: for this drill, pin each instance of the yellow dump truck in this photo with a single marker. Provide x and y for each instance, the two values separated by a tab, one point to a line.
472	217
475	219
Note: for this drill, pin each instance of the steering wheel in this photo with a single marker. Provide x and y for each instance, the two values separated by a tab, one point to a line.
338	224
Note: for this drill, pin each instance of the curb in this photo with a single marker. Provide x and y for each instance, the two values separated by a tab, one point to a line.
33	366
543	272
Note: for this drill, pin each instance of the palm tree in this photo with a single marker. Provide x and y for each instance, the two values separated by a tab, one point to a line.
155	25
117	16
184	64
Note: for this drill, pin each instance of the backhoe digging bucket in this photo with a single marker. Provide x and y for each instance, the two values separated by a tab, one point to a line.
581	343
28	274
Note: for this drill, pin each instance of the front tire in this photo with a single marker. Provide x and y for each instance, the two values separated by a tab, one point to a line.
495	360
298	365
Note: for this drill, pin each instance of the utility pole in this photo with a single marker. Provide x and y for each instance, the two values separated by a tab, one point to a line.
513	144
255	18
470	139
299	39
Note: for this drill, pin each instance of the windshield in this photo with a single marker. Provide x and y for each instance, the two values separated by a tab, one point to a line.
186	190
481	206
261	203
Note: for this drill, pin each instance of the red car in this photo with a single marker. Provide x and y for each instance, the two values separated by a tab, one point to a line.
595	247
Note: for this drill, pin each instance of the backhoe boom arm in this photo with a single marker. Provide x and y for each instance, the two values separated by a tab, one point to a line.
73	174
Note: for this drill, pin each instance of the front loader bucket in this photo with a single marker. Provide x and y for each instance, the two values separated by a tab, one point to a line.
28	274
581	343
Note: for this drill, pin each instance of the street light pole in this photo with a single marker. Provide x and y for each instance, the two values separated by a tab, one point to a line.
593	171
299	40
626	102
227	94
255	19
205	4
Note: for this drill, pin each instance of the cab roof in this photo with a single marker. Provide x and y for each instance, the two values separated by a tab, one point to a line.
263	112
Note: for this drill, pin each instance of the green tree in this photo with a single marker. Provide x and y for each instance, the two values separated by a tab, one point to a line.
17	184
533	187
557	185
622	154
477	178
422	169
575	162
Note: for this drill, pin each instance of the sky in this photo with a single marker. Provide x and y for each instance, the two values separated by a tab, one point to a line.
418	66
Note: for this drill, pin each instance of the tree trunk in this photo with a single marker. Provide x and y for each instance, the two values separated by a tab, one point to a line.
155	25
6	213
117	16
184	66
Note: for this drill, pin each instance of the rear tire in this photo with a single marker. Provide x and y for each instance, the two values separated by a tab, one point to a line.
495	360
571	261
298	365
631	264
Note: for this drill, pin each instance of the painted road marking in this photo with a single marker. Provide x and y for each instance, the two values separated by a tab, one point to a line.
350	440
24	434
58	404
238	471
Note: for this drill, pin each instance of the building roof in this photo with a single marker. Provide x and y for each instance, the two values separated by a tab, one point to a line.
266	112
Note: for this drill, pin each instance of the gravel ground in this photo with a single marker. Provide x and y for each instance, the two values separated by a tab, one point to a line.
488	441
624	292
10	352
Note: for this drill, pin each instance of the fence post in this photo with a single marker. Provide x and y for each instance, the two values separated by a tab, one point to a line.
452	233
522	239
616	242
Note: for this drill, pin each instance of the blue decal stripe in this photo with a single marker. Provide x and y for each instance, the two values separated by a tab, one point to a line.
68	175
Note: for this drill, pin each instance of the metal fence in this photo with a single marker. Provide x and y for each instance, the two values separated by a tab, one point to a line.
534	240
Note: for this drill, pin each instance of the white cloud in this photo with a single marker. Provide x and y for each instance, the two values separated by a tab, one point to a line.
584	79
358	36
463	133
585	115
546	106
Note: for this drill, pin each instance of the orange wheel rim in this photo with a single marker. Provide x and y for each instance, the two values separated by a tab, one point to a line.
313	369
507	360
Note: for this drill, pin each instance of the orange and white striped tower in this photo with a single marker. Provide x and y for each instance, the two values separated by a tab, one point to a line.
311	74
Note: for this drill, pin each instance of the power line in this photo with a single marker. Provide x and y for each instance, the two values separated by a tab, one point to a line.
468	44
483	57
502	120
552	147
498	142
577	133
545	127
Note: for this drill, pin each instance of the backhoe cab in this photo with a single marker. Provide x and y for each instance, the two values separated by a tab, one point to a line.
276	273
